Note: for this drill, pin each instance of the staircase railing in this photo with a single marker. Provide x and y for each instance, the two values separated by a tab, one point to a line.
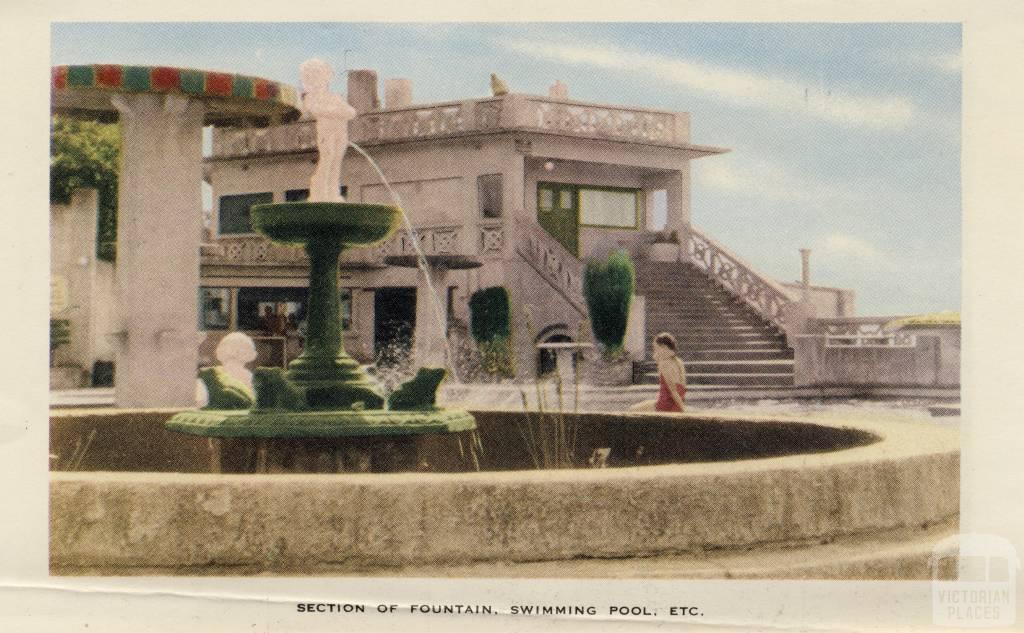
764	295
552	261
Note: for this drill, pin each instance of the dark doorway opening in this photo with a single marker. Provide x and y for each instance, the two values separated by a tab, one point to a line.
394	324
547	359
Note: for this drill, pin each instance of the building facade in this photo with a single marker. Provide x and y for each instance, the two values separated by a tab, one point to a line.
513	190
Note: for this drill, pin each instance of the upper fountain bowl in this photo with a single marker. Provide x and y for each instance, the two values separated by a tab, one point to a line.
351	223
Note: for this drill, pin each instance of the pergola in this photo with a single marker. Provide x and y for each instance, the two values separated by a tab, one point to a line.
162	111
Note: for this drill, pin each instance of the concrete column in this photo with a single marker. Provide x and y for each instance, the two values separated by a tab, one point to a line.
805	273
72	271
432	320
636	330
677	188
157	271
513	182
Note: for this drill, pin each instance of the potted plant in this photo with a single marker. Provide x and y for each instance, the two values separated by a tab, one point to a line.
608	287
665	247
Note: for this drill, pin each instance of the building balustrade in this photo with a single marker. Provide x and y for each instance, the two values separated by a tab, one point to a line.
457	118
761	293
486	239
562	269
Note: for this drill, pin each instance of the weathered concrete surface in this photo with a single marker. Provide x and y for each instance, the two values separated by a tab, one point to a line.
892	555
118	521
933	362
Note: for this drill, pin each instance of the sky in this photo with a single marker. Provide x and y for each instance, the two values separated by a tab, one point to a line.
843	138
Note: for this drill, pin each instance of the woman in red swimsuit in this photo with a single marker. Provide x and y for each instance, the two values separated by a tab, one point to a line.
671	376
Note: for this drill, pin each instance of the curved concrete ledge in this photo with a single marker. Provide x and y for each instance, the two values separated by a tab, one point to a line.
112	521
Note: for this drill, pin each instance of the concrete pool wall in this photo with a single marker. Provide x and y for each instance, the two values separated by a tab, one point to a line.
117	522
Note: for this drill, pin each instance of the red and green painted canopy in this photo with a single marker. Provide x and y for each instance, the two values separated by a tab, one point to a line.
230	98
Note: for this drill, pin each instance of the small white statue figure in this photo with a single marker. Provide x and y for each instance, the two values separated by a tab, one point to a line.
332	113
234	351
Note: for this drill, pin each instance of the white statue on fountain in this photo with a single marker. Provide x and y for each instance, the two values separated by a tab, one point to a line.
332	113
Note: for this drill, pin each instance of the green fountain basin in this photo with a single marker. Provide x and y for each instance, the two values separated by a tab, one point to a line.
350	223
320	424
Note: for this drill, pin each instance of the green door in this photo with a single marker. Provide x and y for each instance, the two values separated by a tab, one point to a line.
558	213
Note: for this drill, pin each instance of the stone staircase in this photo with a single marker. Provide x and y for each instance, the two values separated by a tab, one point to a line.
723	342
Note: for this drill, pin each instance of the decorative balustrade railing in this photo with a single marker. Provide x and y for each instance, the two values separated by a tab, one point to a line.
486	239
600	121
251	250
764	295
453	118
299	136
860	332
551	260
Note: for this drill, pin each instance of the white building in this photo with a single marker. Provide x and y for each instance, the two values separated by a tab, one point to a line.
515	191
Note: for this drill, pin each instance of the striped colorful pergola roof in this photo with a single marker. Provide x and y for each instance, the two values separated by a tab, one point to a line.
230	98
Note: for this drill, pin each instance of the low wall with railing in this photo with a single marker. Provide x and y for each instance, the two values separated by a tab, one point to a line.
860	352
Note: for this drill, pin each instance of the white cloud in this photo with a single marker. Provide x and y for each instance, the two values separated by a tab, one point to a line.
739	87
854	249
763	180
947	62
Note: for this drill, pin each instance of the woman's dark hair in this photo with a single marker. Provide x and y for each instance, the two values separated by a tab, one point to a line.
666	340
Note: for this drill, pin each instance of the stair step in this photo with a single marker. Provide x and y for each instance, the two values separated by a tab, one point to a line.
738	380
752	354
724	342
715	335
713	367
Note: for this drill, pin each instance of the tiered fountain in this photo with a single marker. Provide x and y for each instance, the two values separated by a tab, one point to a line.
324	414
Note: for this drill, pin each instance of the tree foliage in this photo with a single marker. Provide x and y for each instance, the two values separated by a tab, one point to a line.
490	314
608	287
87	154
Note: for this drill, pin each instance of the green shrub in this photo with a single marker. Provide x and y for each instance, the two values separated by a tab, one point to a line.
608	287
60	332
499	357
490	322
490	314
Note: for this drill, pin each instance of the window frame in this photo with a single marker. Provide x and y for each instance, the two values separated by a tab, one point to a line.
500	178
621	227
220	203
201	299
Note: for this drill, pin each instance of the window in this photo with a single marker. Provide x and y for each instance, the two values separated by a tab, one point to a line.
488	189
272	311
301	195
608	207
546	199
214	308
233	216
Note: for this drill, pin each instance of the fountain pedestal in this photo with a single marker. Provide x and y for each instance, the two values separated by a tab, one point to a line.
324	414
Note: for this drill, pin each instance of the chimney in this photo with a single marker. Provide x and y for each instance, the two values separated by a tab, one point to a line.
559	91
362	90
397	93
